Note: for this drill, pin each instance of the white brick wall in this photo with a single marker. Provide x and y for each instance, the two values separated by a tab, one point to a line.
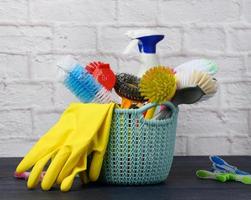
36	33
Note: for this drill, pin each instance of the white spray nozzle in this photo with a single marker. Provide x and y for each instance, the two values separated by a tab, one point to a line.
146	39
132	45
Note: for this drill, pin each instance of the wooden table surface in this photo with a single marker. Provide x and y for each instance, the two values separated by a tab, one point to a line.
181	184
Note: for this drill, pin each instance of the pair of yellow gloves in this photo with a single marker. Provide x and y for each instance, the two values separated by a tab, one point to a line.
81	130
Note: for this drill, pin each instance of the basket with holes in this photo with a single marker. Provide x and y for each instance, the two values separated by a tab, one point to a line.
139	151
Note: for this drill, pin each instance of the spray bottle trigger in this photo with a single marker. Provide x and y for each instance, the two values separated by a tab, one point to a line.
132	45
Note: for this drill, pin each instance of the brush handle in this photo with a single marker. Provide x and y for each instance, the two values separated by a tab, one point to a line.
126	103
245	179
153	105
204	174
150	113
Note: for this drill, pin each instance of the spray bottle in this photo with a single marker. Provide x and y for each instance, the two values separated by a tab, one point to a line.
146	41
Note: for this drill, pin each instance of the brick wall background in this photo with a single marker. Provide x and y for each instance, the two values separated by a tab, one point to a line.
34	34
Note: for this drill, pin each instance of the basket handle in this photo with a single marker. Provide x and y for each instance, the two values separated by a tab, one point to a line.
150	105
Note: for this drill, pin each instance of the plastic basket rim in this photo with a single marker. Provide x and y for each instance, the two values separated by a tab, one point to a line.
139	112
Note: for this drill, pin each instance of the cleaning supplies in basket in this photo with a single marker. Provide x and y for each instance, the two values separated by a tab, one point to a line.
82	129
222	171
138	151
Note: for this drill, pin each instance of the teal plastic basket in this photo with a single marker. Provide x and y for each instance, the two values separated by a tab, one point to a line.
139	151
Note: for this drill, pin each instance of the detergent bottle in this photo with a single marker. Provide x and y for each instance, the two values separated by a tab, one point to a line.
146	40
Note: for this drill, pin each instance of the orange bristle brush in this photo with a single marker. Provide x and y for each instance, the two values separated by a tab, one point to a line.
158	85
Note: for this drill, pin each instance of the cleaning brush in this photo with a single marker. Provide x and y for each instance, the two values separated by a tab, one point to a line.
158	85
197	78
83	85
202	65
127	86
102	73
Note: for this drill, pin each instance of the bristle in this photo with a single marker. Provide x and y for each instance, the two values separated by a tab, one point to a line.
196	78
127	86
85	87
204	81
82	84
103	96
204	78
158	84
211	88
202	65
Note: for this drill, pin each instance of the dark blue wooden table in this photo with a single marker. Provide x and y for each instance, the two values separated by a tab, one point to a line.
181	184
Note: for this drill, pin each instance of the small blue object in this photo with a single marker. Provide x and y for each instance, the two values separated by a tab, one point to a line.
220	165
147	44
218	169
82	84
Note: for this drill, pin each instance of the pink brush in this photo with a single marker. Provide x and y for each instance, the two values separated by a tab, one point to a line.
25	175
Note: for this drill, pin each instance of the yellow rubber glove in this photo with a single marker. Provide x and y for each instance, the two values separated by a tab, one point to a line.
81	167
75	131
98	145
48	145
98	148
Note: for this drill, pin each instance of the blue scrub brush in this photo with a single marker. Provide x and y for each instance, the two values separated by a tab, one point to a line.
82	84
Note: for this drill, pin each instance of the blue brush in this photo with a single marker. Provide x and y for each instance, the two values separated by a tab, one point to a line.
82	84
220	165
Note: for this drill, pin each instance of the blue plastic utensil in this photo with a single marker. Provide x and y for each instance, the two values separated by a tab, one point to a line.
221	165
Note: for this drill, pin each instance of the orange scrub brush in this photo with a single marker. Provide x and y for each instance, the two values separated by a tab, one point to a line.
158	85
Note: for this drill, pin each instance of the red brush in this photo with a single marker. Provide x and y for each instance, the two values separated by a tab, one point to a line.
102	73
